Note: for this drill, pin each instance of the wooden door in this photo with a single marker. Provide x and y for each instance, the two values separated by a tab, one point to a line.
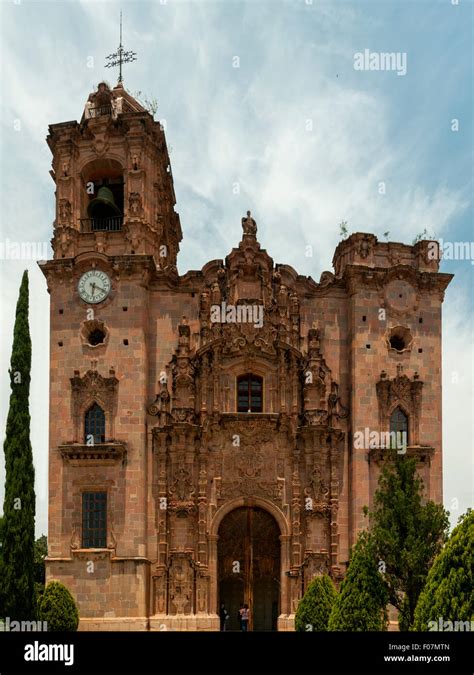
249	566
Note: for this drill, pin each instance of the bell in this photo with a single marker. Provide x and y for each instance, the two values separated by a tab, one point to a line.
103	206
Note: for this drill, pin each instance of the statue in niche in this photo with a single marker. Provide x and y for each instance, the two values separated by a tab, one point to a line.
64	211
135	204
295	305
364	247
215	294
182	485
282	296
204	301
180	586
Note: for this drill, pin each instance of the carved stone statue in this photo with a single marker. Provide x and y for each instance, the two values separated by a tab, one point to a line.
215	294
135	204
249	225
64	211
204	301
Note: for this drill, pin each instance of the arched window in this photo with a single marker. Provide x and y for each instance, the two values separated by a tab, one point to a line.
249	393
399	426
102	207
94	425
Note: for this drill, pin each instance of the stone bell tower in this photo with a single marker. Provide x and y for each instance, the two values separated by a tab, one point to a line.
114	187
115	229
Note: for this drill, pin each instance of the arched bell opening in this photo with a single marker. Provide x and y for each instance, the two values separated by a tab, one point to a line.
102	206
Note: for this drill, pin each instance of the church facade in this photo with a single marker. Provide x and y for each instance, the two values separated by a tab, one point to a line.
214	436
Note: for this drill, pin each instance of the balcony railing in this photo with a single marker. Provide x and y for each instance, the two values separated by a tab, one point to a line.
100	110
113	224
115	107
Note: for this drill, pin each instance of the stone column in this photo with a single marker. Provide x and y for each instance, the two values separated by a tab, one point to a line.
213	570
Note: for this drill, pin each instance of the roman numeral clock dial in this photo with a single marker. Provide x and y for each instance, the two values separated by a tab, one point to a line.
94	286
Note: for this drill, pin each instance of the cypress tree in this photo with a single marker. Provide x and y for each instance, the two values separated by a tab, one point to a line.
17	588
408	534
448	592
2	604
361	602
315	607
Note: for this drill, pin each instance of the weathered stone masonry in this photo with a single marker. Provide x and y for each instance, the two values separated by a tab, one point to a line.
178	458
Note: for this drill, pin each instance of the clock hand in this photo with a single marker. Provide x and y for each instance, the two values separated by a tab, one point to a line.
93	286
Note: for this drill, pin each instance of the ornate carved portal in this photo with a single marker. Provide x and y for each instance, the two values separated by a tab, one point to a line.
273	474
249	566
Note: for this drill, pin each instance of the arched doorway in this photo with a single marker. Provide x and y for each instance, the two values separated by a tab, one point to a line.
249	566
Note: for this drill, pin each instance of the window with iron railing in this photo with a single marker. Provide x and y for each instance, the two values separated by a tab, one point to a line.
94	425
94	519
249	393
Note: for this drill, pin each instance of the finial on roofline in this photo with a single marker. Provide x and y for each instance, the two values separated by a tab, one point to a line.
120	56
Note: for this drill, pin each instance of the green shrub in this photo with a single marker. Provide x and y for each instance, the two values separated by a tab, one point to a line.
315	607
361	602
57	607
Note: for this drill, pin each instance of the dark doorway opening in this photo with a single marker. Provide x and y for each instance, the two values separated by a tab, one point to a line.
249	567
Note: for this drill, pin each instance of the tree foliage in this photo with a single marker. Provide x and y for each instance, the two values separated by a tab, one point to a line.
2	604
57	607
41	551
315	606
408	534
361	602
17	590
448	592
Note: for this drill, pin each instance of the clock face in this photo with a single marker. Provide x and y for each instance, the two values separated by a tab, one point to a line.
94	286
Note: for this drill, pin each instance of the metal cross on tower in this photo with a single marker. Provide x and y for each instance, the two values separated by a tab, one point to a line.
120	56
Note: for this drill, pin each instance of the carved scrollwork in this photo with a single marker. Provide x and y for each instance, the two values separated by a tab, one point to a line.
181	583
65	240
318	493
94	387
182	487
135	208
249	462
247	487
64	212
326	278
400	391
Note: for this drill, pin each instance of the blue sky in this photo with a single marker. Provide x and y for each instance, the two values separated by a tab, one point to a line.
295	133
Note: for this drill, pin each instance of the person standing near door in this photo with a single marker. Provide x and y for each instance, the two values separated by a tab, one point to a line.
239	615
224	617
244	618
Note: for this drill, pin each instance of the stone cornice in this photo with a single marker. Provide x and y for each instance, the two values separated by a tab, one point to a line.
358	277
80	454
422	453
